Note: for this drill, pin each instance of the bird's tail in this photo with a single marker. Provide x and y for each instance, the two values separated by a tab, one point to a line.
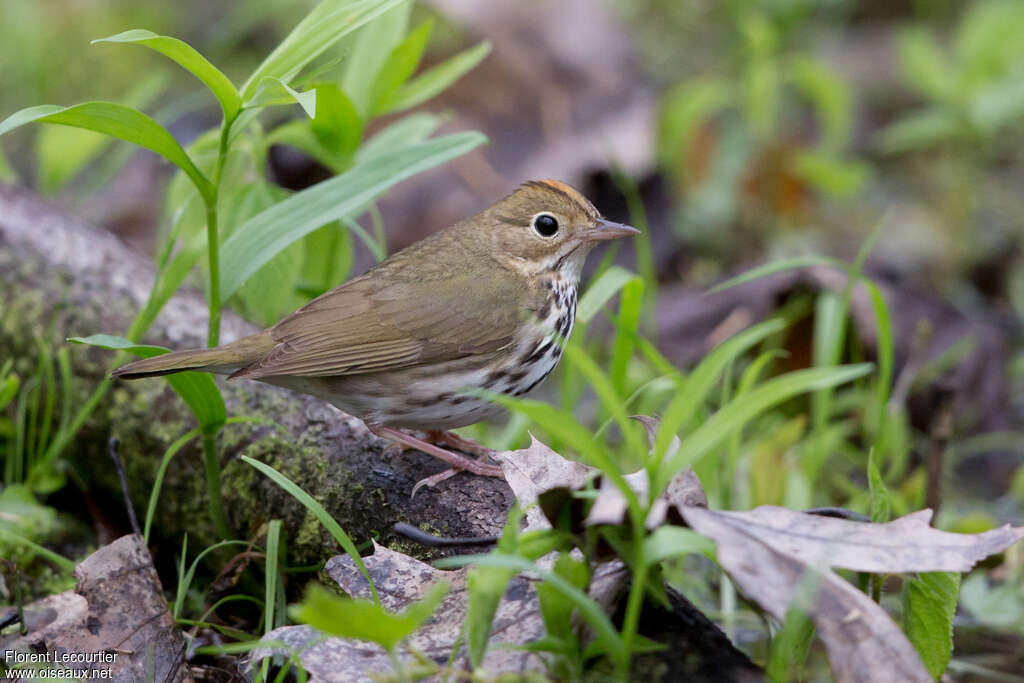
222	359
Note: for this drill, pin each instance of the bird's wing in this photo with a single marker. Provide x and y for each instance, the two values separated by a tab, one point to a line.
376	323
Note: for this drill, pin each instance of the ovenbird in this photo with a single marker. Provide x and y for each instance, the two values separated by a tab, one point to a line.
484	304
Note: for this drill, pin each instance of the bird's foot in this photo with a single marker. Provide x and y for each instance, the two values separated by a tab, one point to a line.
458	462
452	439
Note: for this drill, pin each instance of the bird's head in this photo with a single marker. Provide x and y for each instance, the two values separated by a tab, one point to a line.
546	225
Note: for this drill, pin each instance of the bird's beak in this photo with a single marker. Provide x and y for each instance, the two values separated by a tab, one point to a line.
607	230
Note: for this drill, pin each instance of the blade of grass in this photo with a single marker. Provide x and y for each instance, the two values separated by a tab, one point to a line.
694	390
59	560
320	513
186	577
743	408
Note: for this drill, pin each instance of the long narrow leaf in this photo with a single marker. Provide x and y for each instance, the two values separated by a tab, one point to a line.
115	120
743	408
273	91
324	26
320	513
190	60
434	80
373	44
402	133
601	290
265	235
398	67
695	388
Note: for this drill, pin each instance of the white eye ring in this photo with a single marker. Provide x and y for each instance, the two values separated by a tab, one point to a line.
545	224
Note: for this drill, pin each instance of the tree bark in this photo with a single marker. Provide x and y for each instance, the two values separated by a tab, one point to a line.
62	278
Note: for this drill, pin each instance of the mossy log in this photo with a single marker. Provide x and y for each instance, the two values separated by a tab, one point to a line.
62	278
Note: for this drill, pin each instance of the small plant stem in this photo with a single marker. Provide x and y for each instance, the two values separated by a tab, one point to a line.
213	240
213	236
212	465
635	601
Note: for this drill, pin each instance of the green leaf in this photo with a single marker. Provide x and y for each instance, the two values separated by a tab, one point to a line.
881	500
773	268
997	105
743	408
485	587
271	574
325	25
919	131
602	290
197	389
693	391
263	236
165	461
402	133
274	91
62	562
119	121
373	43
366	620
684	109
186	576
791	646
831	174
434	80
555	607
929	603
189	59
630	306
269	295
830	97
337	125
924	66
672	541
319	512
398	67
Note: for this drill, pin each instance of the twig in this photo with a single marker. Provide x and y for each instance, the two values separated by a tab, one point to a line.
423	538
119	466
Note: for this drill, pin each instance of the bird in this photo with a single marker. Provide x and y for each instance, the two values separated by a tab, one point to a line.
418	341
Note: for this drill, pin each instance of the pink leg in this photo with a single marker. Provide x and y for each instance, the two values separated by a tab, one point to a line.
455	441
458	462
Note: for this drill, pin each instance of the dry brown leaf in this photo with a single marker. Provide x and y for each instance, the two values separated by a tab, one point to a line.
903	545
539	474
771	552
118	606
537	469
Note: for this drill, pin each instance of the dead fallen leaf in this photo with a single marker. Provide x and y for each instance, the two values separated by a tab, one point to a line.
907	544
773	554
118	606
539	474
537	469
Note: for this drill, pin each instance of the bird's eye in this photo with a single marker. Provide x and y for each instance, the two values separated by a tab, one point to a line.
545	224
